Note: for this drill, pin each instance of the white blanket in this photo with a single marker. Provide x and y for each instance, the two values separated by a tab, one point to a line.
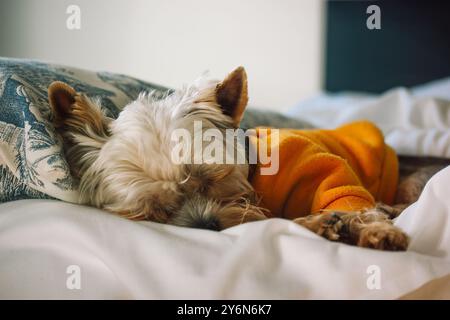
415	122
40	239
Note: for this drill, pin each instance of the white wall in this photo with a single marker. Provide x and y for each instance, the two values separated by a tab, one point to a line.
171	42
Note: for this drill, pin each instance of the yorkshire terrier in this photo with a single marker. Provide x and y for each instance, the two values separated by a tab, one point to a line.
125	165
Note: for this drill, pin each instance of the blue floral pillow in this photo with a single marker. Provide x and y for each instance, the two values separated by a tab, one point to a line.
32	163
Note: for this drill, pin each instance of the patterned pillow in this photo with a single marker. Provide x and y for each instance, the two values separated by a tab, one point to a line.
32	163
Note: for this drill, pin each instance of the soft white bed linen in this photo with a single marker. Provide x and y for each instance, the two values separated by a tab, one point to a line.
415	122
276	258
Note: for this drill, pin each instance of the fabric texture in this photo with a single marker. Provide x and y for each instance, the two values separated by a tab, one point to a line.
346	169
414	122
32	163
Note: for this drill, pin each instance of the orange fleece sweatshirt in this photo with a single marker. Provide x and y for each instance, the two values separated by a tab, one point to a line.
345	169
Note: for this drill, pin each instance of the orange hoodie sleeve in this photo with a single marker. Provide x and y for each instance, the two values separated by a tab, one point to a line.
317	171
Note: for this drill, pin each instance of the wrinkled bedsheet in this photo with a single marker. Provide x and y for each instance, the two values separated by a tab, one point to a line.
41	240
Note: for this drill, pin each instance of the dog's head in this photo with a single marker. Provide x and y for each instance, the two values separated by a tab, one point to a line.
126	165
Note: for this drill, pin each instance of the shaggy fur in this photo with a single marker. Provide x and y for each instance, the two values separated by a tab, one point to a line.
125	166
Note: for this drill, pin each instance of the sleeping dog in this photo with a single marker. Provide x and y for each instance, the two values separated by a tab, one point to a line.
329	181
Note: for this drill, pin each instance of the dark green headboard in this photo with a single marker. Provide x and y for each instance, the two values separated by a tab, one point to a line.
412	47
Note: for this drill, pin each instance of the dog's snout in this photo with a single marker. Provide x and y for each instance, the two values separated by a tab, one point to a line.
209	223
199	212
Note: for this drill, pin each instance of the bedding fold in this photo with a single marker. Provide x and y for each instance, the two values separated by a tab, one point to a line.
415	123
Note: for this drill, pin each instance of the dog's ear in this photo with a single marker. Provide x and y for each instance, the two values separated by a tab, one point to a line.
232	94
61	96
81	123
74	111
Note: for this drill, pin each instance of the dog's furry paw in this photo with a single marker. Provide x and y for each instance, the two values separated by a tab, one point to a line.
370	229
383	236
327	225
